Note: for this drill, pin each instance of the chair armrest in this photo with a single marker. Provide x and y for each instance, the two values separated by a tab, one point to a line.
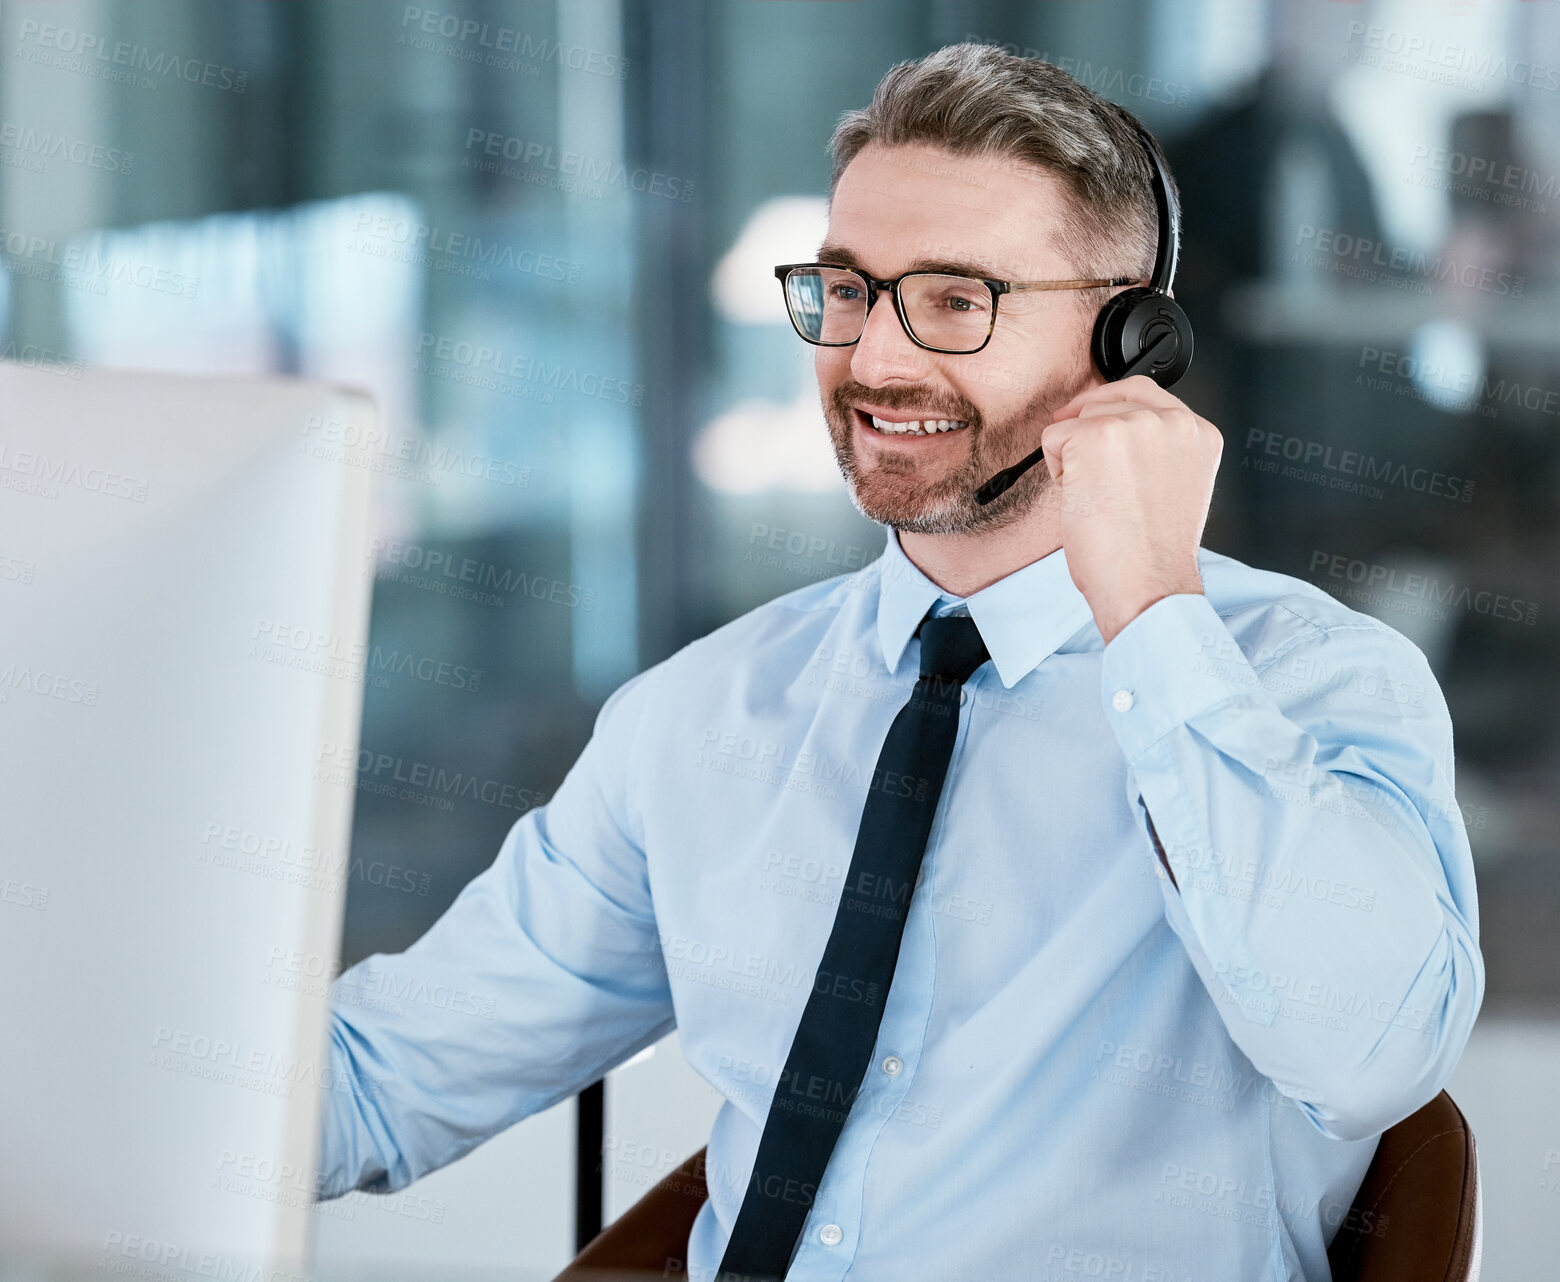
1416	1215
651	1237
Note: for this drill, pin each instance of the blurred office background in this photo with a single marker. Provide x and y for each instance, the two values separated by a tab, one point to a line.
540	232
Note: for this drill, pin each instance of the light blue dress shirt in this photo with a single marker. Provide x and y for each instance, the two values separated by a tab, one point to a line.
1085	1069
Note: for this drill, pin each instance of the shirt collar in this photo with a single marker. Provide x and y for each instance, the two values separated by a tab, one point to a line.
1023	618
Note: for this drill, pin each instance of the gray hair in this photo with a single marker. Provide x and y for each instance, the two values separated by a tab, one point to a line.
980	100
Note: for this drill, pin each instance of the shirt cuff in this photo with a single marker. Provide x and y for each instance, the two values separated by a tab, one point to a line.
1174	660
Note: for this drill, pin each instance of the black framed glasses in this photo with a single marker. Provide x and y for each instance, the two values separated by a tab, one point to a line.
940	311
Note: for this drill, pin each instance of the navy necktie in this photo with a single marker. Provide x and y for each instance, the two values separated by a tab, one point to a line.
832	1048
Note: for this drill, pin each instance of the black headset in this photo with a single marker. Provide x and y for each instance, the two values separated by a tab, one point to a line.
1138	331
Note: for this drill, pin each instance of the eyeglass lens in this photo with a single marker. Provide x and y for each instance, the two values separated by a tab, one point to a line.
829	305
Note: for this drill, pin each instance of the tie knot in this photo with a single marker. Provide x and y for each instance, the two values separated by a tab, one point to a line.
951	648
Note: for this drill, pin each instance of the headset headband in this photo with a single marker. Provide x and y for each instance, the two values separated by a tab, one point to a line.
1169	218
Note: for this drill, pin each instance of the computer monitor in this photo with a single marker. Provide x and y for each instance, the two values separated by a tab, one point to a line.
184	596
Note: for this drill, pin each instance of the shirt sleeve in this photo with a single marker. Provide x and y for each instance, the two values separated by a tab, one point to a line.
543	974
1299	787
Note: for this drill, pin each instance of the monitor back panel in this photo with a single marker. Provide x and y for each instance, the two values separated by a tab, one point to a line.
184	596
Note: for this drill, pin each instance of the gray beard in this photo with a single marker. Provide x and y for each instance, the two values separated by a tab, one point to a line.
890	495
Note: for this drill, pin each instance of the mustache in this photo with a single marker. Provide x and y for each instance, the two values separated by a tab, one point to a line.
848	394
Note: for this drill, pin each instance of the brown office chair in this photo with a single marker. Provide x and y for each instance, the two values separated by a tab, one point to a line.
1417	1216
651	1237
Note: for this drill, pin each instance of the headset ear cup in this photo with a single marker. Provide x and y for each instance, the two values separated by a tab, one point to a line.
1133	321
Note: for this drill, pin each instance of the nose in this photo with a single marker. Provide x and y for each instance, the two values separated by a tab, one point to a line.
884	353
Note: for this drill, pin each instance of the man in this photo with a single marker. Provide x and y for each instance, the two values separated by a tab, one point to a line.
1195	921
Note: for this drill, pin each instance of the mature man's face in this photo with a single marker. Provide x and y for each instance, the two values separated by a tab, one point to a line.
894	206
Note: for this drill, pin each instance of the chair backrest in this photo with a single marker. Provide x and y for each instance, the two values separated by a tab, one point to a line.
651	1237
1417	1217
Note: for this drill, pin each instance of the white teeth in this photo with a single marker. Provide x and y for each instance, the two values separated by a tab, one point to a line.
917	427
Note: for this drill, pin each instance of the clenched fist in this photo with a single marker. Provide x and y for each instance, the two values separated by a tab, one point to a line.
1133	472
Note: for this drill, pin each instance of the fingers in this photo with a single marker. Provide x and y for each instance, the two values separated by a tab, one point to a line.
1053	440
1137	397
1113	409
1069	410
1140	389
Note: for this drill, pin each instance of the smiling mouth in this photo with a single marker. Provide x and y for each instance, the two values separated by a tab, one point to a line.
909	427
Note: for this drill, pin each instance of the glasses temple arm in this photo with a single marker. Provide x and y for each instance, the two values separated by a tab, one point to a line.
1073	284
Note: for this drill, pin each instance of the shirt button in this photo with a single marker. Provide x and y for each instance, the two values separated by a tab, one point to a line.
830	1234
892	1065
1121	701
